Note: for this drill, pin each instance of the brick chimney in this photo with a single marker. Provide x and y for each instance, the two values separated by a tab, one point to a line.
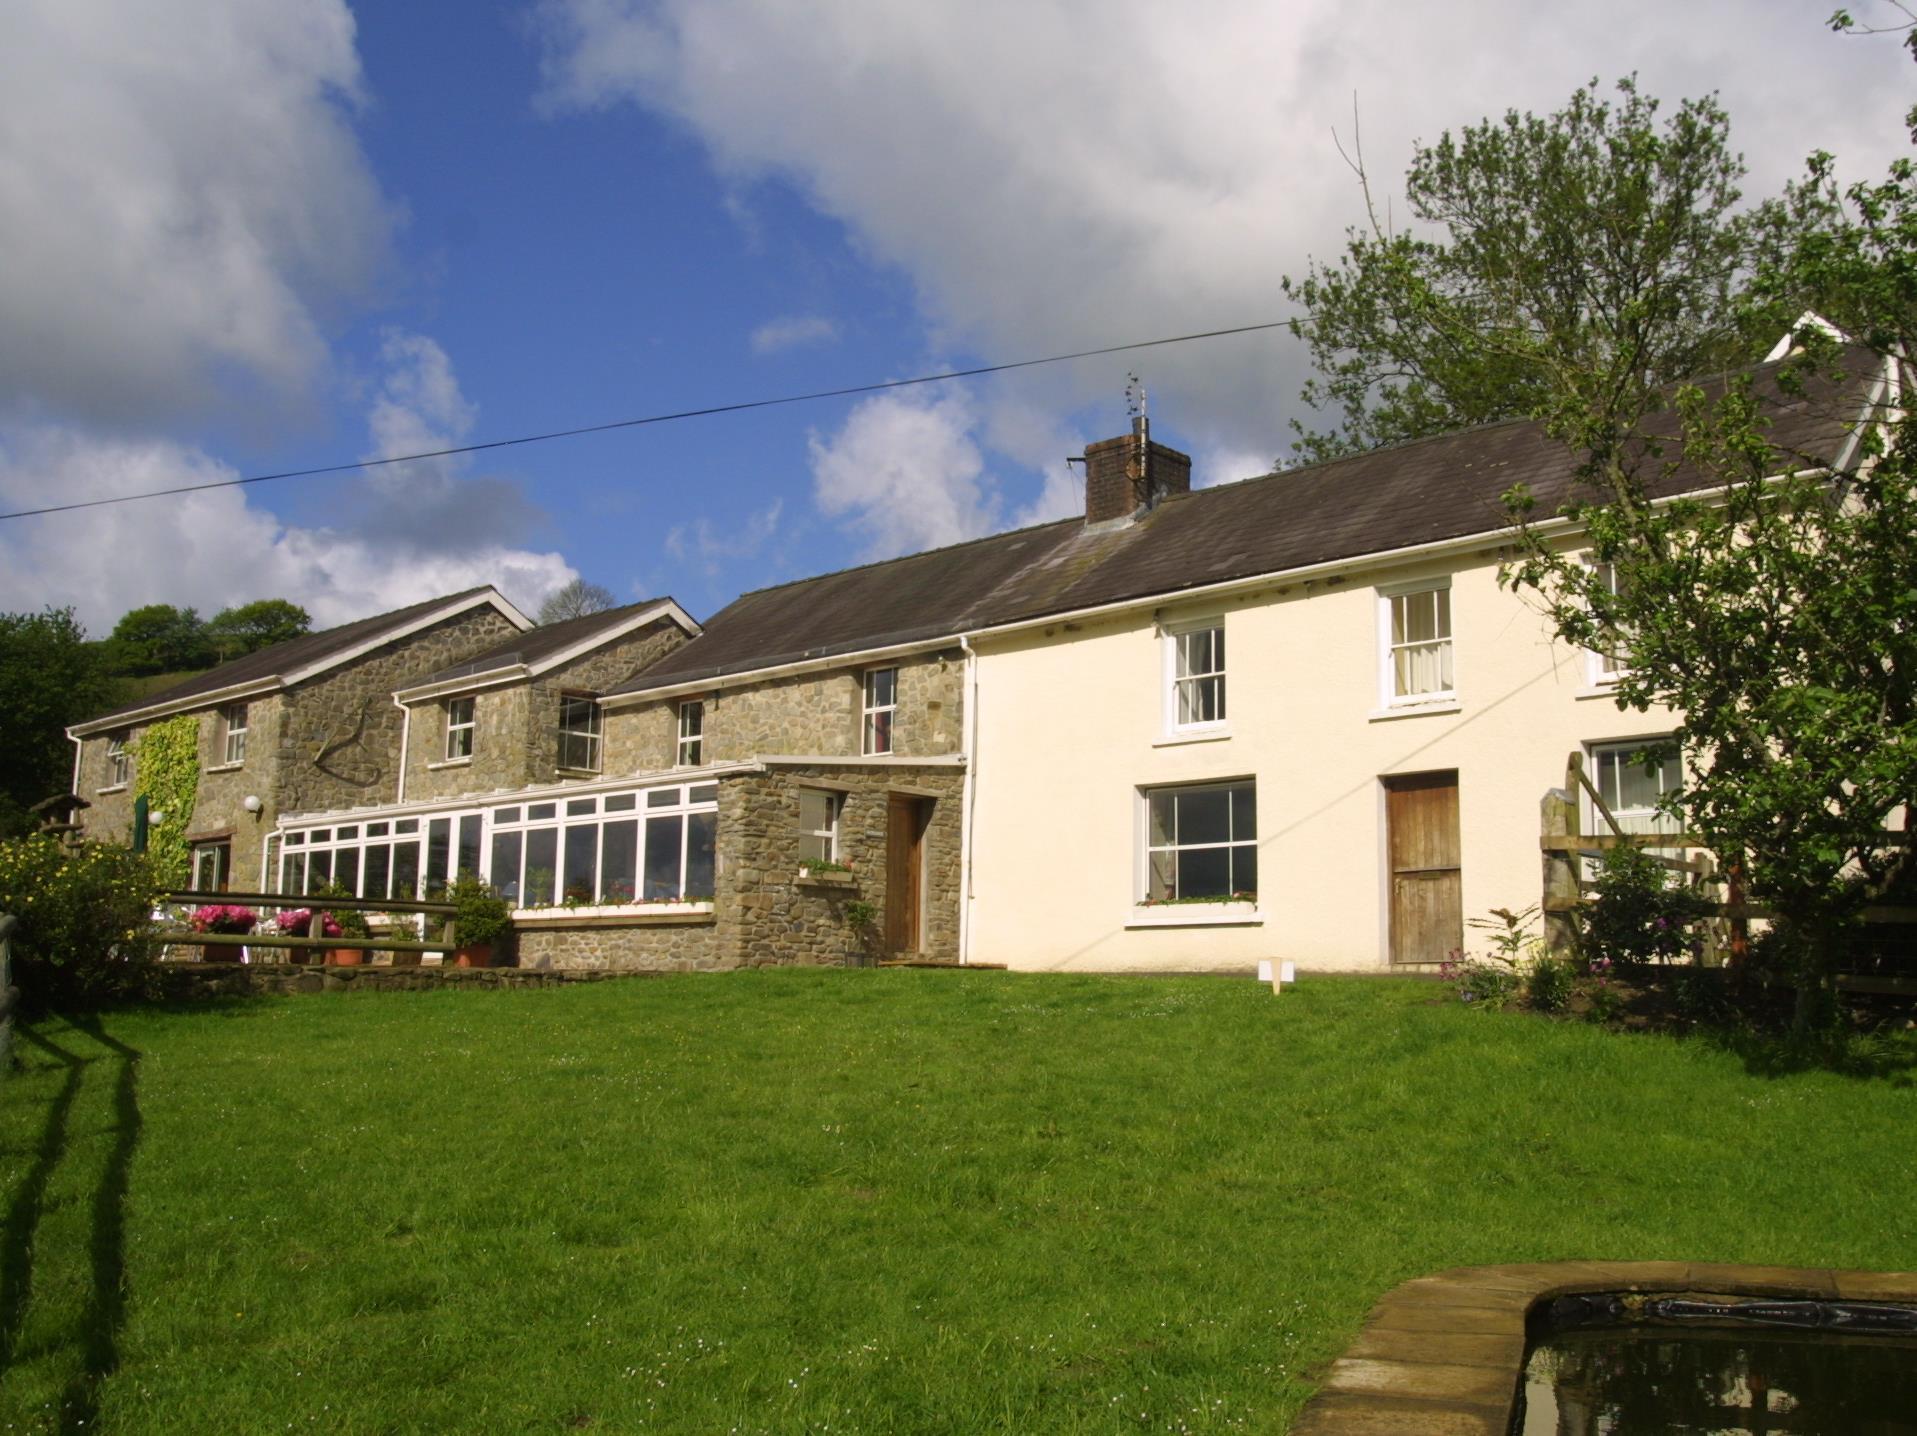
1130	474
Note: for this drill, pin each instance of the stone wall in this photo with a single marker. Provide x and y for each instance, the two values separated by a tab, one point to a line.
110	818
776	916
815	713
516	726
498	758
219	807
613	945
191	981
331	742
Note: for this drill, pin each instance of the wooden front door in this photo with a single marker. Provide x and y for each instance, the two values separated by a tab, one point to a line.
906	819
1427	891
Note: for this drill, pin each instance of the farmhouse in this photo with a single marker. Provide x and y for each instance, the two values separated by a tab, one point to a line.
1293	717
308	723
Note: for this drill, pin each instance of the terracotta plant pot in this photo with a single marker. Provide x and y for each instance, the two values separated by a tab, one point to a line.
478	955
345	956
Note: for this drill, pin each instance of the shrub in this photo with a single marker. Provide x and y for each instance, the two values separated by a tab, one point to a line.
1489	985
84	918
350	922
482	915
1549	984
1640	914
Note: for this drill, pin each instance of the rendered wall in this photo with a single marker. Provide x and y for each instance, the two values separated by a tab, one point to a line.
1070	727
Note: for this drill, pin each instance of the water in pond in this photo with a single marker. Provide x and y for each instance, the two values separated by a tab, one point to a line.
1853	1374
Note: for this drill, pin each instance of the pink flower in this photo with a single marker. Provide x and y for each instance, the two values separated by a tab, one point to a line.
223	917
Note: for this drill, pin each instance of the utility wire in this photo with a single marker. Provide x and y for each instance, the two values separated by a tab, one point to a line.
637	423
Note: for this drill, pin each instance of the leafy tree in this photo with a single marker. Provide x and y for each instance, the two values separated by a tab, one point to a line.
52	677
248	627
1587	258
159	638
576	600
1775	613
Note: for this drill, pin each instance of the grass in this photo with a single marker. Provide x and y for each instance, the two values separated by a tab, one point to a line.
849	1200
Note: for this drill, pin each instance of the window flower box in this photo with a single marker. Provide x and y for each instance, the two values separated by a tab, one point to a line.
827	877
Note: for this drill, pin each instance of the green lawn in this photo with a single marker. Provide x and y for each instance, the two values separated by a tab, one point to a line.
849	1200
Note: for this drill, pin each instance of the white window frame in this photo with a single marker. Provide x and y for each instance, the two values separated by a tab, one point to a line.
1618	752
233	727
1172	643
570	705
834	807
690	751
458	729
1604	669
1388	598
119	762
869	712
218	856
1142	877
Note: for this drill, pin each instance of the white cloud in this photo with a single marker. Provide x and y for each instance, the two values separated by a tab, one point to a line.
711	546
792	331
180	192
906	473
406	532
1051	177
205	550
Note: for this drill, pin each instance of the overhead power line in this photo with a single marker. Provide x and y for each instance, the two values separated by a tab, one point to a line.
736	408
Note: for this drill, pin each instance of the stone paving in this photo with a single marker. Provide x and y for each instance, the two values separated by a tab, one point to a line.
1441	1355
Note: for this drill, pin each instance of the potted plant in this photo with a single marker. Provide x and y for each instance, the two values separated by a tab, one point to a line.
346	923
303	922
482	921
226	918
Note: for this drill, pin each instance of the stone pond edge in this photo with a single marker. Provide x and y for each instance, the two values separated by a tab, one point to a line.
1441	1355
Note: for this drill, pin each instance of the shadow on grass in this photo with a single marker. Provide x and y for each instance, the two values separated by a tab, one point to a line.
99	1327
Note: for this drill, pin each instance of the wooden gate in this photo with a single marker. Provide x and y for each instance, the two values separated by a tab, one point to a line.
1427	890
906	819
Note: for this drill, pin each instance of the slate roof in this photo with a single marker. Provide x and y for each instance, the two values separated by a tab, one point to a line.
535	644
1428	490
279	659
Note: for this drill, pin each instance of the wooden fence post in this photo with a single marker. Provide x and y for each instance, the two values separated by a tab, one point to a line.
1558	818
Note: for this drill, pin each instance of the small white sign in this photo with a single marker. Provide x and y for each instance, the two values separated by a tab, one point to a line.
1287	973
1264	972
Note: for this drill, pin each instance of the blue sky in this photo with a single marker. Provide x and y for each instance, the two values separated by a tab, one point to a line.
247	235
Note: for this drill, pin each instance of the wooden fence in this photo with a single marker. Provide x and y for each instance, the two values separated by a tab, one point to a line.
1726	933
446	942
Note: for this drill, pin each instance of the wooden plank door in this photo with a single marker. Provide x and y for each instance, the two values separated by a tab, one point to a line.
1427	890
906	819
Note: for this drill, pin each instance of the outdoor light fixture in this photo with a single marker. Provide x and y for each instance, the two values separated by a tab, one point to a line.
252	804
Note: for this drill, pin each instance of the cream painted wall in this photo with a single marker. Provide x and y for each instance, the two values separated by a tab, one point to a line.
1071	727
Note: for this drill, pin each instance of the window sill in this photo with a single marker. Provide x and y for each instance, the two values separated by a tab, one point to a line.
574	772
111	788
225	767
465	762
1196	735
1222	914
677	914
1415	710
809	879
1596	690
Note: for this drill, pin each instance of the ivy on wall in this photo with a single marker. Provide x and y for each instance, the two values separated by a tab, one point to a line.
168	764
